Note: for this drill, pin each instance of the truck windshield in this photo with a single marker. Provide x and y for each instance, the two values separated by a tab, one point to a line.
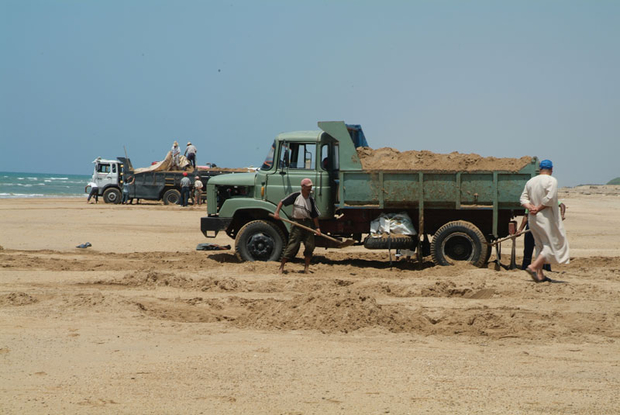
103	168
268	163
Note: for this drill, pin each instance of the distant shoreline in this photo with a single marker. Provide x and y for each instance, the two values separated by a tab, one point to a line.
30	196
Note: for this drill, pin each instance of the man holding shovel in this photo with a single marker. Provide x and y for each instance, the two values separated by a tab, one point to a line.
305	213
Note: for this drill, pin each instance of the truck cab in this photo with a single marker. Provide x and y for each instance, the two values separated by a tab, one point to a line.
291	158
107	174
236	201
300	155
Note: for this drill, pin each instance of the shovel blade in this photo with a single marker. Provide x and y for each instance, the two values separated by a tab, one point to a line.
348	242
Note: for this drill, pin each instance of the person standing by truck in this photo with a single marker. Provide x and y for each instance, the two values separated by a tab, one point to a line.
94	192
190	153
186	184
528	241
305	213
540	197
126	185
198	191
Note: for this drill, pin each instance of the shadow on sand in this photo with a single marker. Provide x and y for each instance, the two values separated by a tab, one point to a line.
231	258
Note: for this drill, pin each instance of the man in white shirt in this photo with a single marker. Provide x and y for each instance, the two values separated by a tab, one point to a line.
94	192
198	191
176	153
190	153
305	213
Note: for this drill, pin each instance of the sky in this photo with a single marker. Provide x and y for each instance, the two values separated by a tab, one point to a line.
95	78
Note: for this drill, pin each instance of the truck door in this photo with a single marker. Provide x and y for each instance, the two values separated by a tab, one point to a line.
325	185
295	162
106	173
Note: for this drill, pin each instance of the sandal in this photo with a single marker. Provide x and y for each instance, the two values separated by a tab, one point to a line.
533	275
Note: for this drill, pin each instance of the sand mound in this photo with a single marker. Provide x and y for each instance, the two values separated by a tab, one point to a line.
446	289
193	310
16	299
387	158
329	312
154	279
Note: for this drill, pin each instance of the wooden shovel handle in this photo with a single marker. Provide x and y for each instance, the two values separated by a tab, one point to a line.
307	228
516	235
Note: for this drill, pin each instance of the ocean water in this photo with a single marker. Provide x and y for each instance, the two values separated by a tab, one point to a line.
14	185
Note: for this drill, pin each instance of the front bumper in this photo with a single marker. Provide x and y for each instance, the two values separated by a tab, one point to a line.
213	224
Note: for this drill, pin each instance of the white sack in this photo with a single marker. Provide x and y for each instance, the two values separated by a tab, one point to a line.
392	223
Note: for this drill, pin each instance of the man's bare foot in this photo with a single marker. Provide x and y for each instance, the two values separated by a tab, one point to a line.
533	274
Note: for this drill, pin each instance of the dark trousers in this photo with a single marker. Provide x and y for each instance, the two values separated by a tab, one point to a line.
528	249
191	157
93	192
297	236
184	196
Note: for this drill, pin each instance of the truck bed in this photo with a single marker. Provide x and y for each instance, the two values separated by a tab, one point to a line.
491	197
434	189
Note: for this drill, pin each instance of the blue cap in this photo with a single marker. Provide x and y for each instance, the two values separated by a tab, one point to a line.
546	164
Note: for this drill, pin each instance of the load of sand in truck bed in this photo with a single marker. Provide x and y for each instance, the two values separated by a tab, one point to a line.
184	165
167	165
387	158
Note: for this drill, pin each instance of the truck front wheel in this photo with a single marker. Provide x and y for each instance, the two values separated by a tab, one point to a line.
171	197
459	241
112	195
259	241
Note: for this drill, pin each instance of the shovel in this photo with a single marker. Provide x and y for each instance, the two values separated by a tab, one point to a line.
499	241
341	244
497	245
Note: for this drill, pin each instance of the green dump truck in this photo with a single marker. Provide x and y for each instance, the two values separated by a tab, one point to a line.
456	212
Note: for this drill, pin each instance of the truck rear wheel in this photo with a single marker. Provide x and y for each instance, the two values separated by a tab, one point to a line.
171	197
259	240
112	195
459	241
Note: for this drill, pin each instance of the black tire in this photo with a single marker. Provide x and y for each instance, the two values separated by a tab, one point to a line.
259	241
112	195
171	197
459	241
395	242
487	254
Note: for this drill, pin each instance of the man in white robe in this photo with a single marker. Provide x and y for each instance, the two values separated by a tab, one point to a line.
540	197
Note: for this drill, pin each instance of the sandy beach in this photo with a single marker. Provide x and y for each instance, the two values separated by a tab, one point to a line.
142	323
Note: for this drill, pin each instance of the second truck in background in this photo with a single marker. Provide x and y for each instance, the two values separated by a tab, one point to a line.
110	175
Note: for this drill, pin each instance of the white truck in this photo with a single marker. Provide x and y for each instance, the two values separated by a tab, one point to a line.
110	175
